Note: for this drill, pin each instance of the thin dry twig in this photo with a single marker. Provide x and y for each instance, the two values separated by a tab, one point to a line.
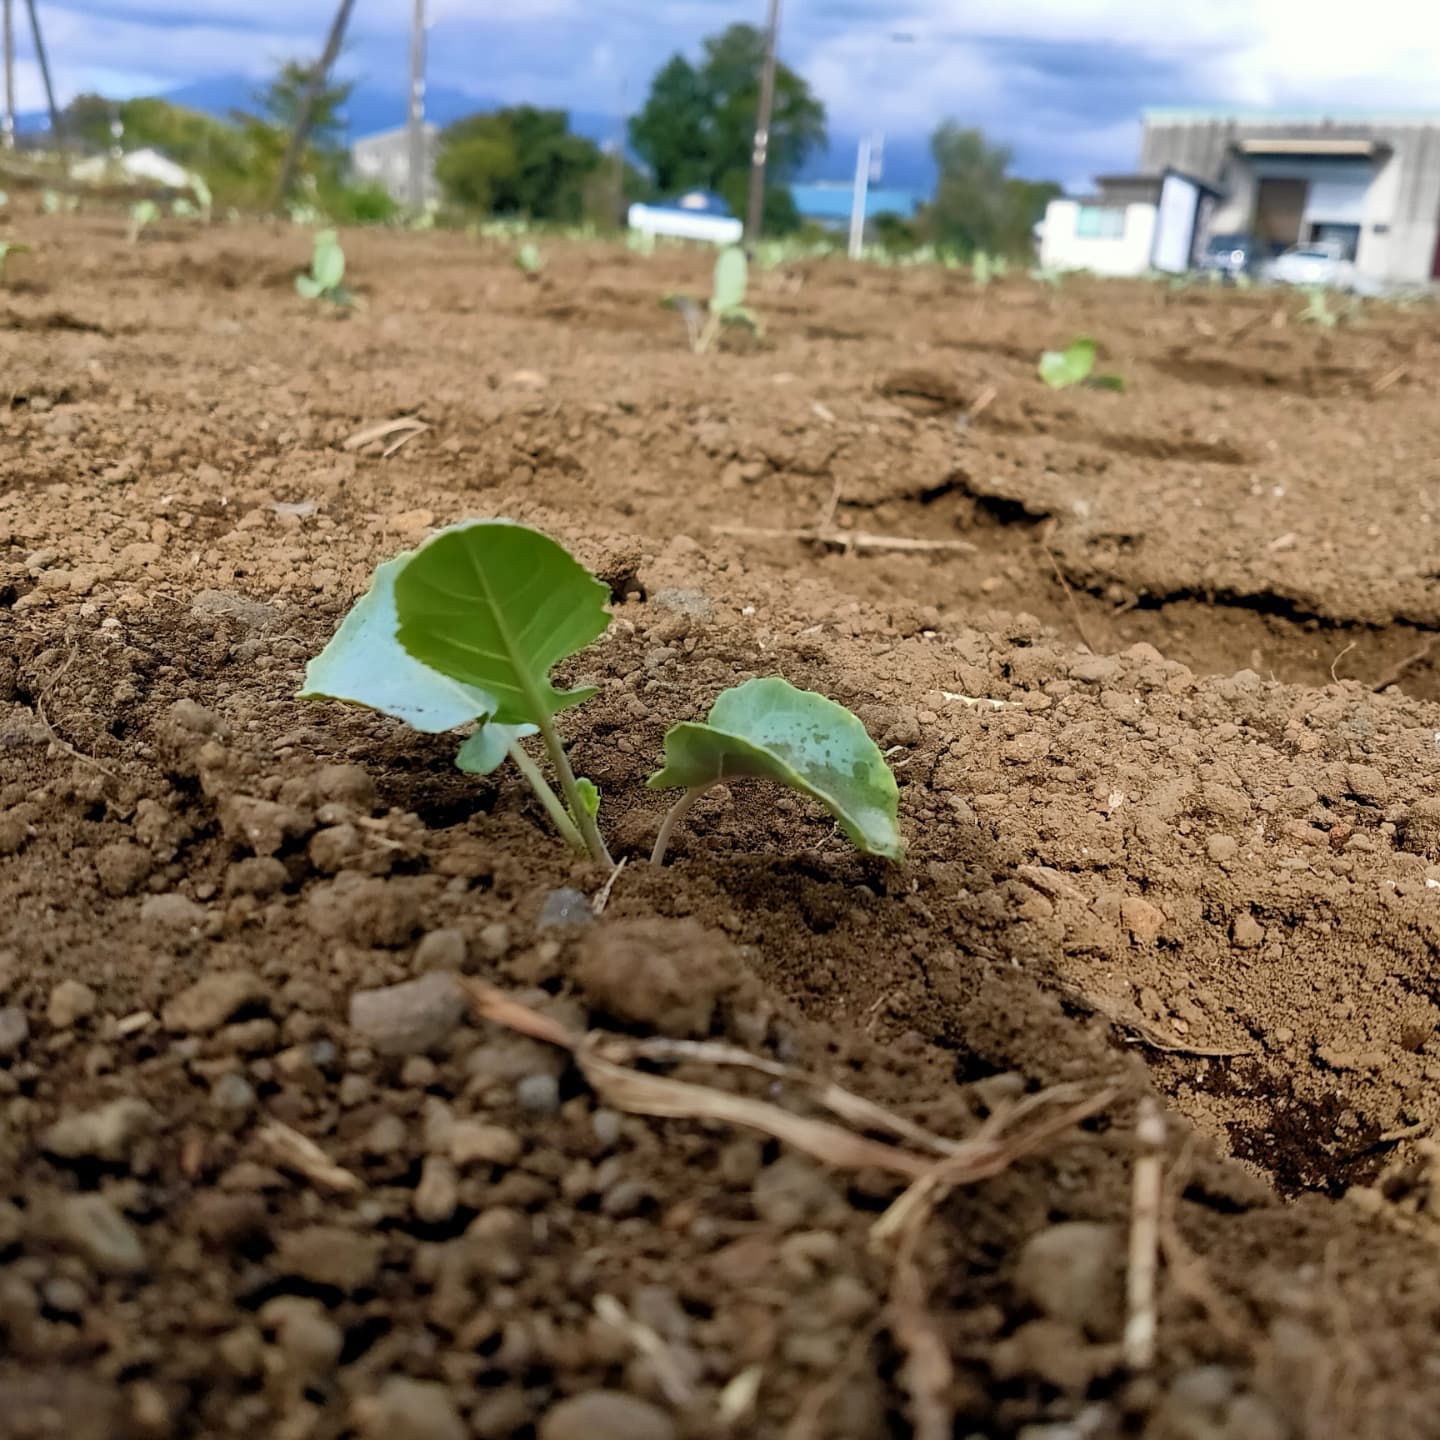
299	1153
1146	1201
849	541
736	1402
1396	672
1141	1032
668	1372
1070	599
1339	658
410	424
1389	378
602	896
57	739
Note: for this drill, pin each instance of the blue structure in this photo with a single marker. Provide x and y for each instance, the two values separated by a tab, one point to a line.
828	202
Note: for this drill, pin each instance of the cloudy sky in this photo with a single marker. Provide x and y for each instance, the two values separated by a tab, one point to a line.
1060	80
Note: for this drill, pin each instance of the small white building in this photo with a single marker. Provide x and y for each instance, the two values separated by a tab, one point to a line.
1134	223
384	160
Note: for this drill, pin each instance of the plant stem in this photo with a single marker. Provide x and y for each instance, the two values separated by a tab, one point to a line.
593	841
676	813
559	816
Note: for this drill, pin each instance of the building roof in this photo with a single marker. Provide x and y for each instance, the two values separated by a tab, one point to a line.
1301	146
1339	116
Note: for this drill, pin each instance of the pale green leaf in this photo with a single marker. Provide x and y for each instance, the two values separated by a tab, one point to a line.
489	747
1059	368
769	729
365	665
728	290
306	288
497	605
327	262
589	795
529	258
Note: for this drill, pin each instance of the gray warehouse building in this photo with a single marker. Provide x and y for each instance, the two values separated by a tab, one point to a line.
1368	184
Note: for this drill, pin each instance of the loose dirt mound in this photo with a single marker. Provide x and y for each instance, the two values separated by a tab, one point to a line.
1165	837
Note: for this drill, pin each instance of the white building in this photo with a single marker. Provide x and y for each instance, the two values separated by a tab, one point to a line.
1133	224
384	159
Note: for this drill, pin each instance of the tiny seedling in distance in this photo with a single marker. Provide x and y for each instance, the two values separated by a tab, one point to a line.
529	259
1317	310
7	249
327	270
1073	365
727	303
142	213
466	630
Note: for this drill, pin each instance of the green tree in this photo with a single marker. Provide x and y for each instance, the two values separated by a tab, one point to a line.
697	125
518	161
978	206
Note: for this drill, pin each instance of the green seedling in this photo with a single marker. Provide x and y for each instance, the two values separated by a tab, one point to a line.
1048	276
142	213
981	268
727	303
1073	365
640	242
327	270
7	249
529	259
1317	310
466	630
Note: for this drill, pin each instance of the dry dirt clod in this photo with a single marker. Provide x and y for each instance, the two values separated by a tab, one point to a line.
331	1255
212	1000
14	1030
172	912
108	1132
565	907
1073	1272
406	1409
410	1018
442	950
96	1231
606	1415
70	1001
123	867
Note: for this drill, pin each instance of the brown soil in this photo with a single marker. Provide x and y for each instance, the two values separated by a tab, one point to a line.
1165	836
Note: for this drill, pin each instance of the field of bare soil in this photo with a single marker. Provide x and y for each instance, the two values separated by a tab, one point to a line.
1154	672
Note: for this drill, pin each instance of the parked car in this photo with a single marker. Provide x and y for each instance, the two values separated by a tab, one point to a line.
1229	255
1317	263
696	215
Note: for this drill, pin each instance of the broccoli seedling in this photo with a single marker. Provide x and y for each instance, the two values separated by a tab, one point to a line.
142	213
727	303
466	631
982	268
1060	369
1317	310
327	270
529	260
7	249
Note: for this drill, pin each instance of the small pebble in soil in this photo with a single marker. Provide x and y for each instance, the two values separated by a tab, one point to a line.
409	1018
441	950
564	907
108	1132
406	1409
14	1030
330	1255
96	1231
212	1000
70	1001
540	1093
438	1192
605	1415
304	1334
233	1096
260	875
472	1143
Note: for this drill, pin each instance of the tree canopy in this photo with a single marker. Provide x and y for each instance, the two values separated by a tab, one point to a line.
697	126
978	205
521	160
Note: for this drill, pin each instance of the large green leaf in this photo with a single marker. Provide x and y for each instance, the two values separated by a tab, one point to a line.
1059	368
365	665
731	273
496	605
769	729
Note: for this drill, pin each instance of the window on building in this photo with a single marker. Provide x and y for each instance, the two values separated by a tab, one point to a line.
1100	222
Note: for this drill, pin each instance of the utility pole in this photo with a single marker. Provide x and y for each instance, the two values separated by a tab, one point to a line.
7	124
417	110
316	83
57	132
755	213
857	202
